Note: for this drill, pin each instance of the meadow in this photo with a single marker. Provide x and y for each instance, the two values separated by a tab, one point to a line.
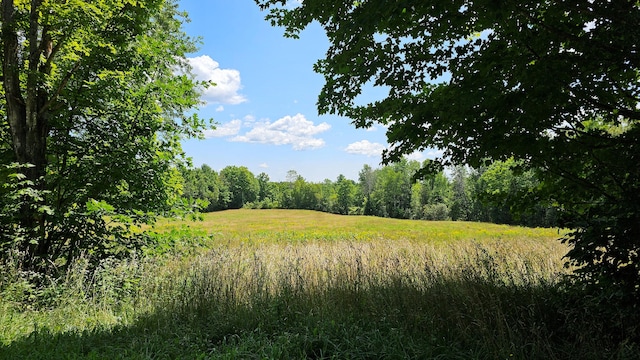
289	284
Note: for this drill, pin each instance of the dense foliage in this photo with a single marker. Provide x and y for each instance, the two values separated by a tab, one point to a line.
553	84
94	102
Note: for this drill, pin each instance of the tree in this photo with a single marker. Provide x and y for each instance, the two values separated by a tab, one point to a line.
95	96
265	188
327	196
242	185
303	194
282	194
204	184
509	194
392	193
367	180
554	84
432	198
460	202
345	192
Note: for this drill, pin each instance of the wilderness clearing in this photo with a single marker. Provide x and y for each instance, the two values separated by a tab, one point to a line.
302	284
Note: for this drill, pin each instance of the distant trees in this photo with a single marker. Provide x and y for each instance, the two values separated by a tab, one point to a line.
390	191
507	194
431	198
204	184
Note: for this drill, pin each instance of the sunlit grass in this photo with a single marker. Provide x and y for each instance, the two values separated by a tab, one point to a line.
300	284
304	225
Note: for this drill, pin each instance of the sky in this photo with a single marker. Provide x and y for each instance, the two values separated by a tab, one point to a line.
264	103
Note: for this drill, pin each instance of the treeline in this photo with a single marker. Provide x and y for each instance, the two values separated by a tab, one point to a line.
486	194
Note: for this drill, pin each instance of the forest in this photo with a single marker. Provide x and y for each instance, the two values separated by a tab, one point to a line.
487	194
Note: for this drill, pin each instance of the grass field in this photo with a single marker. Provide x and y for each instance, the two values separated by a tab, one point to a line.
301	225
287	284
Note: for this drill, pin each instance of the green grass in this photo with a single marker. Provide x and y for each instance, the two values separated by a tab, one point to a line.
288	226
259	284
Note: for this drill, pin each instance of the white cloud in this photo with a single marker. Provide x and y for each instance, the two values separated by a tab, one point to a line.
220	108
293	3
416	155
263	165
295	130
365	147
228	129
227	81
434	153
427	154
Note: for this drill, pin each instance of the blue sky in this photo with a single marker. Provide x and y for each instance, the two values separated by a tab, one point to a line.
264	101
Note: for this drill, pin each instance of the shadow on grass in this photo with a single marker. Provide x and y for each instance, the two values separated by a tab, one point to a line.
451	319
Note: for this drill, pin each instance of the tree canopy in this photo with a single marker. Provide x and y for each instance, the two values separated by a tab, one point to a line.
553	84
96	96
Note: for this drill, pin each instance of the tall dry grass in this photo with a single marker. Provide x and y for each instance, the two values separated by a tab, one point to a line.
319	291
240	274
489	297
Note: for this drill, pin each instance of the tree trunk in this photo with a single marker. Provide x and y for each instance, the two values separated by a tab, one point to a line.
28	126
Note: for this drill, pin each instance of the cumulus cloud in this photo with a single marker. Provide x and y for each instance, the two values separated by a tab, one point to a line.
427	154
434	153
227	81
416	155
295	130
228	129
220	108
365	147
